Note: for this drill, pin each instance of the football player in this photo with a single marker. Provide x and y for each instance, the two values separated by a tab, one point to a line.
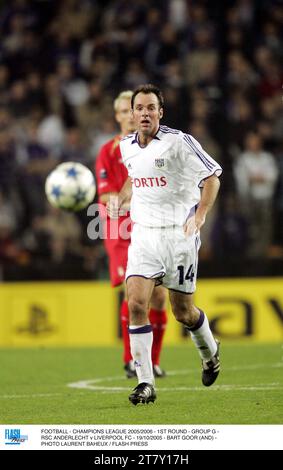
111	174
173	184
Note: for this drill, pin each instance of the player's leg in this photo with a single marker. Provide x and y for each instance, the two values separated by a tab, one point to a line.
196	322
127	356
139	292
158	320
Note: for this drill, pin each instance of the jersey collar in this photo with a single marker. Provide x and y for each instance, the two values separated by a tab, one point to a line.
136	137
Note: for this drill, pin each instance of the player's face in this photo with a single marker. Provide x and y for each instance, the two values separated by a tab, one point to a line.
124	116
147	113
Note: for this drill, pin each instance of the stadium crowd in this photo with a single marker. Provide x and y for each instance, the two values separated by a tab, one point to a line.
62	62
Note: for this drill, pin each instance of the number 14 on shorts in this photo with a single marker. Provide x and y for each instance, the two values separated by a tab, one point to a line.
189	276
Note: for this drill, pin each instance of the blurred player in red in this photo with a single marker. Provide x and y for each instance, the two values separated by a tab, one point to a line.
111	174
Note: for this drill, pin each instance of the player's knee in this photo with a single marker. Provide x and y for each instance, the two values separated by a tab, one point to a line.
184	314
181	315
137	311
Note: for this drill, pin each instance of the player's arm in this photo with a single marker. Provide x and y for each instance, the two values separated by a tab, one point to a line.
126	192
105	198
118	204
206	172
208	196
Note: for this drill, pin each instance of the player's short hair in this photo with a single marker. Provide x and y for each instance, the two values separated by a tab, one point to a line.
146	89
124	95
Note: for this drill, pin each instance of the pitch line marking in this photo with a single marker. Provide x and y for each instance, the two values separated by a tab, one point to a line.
92	383
32	395
87	384
106	390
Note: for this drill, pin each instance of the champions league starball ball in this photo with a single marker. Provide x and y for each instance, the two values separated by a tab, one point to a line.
70	186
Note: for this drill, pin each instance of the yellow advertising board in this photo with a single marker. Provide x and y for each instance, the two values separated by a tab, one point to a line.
55	314
243	308
87	313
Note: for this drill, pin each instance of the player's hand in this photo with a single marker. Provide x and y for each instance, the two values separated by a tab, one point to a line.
113	207
194	224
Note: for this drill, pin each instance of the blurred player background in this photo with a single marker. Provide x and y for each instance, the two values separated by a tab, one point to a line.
62	63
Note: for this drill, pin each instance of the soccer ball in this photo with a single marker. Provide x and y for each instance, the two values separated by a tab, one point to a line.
70	186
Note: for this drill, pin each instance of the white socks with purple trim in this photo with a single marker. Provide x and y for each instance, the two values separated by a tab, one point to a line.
141	338
203	338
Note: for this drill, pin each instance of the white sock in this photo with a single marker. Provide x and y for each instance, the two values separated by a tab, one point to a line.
203	338
141	338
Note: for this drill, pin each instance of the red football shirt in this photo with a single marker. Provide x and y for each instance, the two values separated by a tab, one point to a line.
111	174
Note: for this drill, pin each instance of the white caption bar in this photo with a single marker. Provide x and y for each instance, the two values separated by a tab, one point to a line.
143	437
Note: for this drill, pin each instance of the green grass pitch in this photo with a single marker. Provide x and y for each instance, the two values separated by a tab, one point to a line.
34	387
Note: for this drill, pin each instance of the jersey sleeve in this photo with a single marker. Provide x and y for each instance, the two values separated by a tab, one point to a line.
105	177
199	161
124	147
122	150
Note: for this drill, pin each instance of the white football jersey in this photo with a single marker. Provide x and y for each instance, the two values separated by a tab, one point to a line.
166	176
